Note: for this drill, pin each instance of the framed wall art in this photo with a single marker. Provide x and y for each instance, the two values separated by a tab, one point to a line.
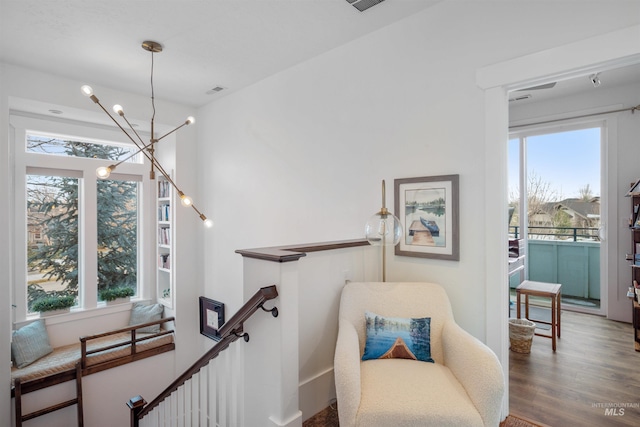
428	211
211	318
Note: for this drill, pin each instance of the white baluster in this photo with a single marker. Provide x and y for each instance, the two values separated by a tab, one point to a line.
187	403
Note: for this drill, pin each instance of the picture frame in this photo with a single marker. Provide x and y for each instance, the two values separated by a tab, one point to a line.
428	209
211	318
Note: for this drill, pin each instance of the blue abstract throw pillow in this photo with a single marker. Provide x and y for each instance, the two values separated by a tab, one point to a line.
397	338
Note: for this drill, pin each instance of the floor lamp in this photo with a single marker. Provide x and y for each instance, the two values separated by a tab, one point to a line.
383	229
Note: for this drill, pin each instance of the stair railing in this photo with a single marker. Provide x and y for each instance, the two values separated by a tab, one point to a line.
231	331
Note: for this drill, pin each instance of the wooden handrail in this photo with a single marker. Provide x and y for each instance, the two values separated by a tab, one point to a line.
229	332
295	252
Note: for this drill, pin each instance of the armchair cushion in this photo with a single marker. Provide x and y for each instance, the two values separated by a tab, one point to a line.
397	338
398	393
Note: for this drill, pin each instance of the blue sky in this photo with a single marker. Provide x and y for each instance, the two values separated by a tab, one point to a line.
567	161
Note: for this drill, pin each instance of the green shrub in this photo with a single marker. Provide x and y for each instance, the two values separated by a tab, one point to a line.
110	294
50	303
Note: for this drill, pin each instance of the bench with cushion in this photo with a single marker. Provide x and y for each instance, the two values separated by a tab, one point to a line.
37	365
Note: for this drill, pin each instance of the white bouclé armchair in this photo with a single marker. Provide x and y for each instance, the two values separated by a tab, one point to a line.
464	387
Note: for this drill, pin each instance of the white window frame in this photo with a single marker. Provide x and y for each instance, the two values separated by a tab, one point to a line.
27	162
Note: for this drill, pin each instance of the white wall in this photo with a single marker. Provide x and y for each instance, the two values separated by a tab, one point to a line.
299	156
620	169
322	276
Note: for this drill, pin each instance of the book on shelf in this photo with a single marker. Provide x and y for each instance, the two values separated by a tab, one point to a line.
164	213
164	261
164	236
164	189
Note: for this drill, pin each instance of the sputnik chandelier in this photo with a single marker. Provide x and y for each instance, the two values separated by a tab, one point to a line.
148	149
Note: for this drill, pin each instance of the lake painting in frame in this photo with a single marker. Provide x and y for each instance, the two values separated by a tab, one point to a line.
428	211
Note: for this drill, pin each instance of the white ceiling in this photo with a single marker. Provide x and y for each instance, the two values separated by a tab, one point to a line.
207	43
228	43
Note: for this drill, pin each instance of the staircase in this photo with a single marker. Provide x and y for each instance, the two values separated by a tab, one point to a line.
207	393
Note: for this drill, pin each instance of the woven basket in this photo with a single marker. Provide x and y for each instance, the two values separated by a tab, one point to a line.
521	335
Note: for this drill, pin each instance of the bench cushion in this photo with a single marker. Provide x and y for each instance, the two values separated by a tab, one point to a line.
65	358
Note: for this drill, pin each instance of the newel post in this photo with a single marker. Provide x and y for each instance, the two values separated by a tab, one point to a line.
271	357
136	405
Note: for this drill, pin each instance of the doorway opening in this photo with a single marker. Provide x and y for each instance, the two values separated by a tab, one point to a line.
555	210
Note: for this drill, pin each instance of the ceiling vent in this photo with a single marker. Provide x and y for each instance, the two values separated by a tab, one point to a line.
363	5
214	90
520	98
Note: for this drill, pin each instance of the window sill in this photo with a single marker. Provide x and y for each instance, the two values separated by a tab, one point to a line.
79	314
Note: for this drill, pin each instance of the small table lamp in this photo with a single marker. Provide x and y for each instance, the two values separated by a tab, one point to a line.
383	229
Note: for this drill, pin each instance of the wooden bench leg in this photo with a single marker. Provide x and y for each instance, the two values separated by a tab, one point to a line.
79	394
18	401
20	417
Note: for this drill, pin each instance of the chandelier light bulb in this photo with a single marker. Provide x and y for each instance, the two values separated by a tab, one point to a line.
118	110
190	120
186	200
86	90
103	172
207	222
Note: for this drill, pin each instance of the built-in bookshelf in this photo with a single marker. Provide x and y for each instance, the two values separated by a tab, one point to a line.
634	258
164	276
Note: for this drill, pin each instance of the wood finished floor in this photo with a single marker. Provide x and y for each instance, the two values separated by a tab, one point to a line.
594	365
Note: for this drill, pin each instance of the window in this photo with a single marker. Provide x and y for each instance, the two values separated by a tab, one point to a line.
61	146
117	234
52	265
81	234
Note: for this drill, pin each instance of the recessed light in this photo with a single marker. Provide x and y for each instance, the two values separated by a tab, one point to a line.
55	111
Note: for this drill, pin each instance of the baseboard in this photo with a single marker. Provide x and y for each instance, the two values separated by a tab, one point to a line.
294	421
316	393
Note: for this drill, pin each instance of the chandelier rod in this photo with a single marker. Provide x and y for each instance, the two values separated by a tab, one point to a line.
153	117
147	149
142	149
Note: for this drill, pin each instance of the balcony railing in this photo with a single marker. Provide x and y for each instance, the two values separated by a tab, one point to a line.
562	233
569	255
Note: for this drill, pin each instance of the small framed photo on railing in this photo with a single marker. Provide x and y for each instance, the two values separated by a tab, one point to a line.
211	318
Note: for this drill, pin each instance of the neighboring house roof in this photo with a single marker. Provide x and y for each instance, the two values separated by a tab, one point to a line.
585	209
